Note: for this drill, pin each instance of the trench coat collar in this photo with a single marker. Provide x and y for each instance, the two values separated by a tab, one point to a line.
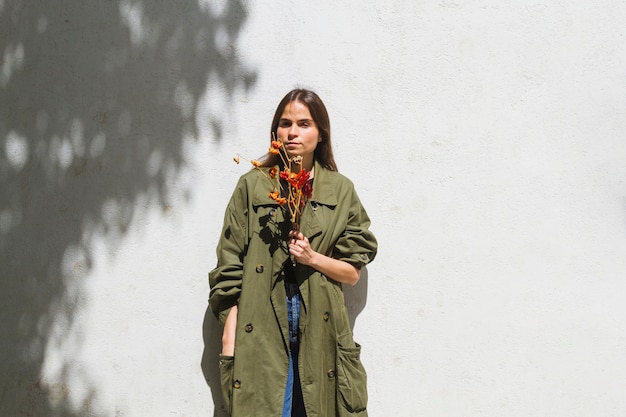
263	188
323	194
323	186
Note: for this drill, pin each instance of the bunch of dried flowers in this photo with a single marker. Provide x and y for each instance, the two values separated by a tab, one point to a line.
296	189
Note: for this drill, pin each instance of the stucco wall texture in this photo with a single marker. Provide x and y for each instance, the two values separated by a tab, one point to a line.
487	140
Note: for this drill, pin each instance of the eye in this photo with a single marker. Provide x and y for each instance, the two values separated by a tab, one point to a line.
284	123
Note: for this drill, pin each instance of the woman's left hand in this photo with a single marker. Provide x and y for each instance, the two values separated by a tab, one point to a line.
336	269
300	248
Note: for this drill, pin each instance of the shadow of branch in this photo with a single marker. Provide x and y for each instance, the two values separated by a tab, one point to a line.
97	99
356	297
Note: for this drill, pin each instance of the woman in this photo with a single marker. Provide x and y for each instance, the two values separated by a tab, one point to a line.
287	346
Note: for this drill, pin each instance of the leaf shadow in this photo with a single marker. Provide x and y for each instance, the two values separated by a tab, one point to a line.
98	101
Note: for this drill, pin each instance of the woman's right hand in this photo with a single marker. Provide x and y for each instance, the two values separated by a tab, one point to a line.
230	329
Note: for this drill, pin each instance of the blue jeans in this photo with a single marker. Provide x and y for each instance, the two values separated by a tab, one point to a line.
293	405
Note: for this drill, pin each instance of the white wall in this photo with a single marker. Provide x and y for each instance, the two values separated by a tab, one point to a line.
487	142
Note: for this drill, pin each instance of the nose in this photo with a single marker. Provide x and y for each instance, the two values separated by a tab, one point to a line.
293	131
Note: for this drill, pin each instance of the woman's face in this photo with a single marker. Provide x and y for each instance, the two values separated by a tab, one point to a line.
299	132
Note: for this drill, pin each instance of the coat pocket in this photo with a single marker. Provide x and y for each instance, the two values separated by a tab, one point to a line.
226	381
351	381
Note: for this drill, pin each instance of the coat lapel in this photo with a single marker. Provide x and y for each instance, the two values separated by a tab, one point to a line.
323	194
311	227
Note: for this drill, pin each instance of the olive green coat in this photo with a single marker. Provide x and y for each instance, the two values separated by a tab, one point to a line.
251	253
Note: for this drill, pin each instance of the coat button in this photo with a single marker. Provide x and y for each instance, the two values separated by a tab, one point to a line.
237	384
331	373
259	268
326	316
249	328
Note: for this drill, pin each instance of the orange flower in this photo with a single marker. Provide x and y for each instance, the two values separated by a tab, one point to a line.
236	159
276	144
256	163
275	195
302	178
274	151
298	180
272	172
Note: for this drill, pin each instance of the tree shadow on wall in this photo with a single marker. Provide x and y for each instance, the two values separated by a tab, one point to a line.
97	100
356	297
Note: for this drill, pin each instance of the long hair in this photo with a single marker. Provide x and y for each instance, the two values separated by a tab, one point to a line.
324	151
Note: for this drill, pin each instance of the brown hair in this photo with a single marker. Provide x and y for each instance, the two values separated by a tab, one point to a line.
324	151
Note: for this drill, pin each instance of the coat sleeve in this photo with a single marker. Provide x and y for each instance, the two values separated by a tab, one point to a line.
225	280
357	245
